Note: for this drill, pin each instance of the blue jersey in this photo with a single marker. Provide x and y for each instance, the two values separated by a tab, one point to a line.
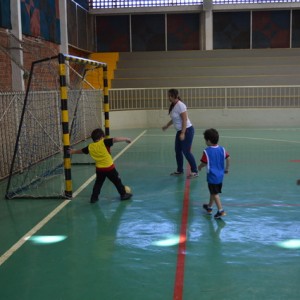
214	158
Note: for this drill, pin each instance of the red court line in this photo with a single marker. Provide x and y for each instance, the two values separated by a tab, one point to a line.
179	278
294	160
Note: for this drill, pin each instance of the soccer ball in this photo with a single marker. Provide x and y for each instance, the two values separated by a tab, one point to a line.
127	189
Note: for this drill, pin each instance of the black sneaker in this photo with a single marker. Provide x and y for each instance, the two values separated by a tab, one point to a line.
220	214
176	173
207	208
126	196
94	200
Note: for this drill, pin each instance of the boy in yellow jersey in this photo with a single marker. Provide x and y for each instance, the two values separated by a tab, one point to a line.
99	150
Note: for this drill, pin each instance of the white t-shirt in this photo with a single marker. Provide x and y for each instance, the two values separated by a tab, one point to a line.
178	109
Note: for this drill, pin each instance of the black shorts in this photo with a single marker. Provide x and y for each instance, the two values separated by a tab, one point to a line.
215	189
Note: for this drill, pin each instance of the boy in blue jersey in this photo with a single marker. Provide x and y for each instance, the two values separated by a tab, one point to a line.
216	160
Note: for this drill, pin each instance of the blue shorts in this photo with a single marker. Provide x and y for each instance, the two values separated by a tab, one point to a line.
215	189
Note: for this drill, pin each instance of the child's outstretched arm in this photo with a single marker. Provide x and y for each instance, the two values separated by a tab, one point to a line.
121	139
74	151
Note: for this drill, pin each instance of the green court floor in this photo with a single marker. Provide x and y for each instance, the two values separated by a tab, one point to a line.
161	245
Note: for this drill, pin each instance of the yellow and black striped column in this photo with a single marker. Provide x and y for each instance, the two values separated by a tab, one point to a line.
106	101
65	125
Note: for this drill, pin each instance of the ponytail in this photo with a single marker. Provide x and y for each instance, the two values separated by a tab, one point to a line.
174	93
171	107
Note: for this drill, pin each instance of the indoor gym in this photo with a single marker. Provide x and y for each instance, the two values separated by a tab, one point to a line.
161	244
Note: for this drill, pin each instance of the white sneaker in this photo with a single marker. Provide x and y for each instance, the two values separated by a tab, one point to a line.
192	175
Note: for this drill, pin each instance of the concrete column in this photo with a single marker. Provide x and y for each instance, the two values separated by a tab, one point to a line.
208	24
16	50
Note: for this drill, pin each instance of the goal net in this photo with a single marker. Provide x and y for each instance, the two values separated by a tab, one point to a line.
60	109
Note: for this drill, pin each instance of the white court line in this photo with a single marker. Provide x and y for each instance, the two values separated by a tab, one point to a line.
261	139
31	232
234	137
37	227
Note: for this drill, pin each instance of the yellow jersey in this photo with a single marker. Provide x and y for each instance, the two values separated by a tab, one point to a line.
100	153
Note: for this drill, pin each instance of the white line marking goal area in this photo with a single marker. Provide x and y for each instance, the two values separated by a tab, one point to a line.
43	222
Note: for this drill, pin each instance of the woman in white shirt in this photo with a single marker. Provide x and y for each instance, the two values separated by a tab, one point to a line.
184	134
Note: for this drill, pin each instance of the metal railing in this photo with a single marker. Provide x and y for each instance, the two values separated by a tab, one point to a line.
246	97
207	97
